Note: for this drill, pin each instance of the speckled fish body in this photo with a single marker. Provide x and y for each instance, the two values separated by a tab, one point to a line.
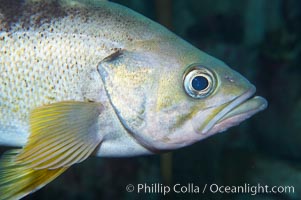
78	80
50	53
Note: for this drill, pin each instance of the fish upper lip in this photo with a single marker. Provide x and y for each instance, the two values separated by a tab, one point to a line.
232	105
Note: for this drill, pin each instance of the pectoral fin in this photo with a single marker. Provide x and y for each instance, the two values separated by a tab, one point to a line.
18	180
62	134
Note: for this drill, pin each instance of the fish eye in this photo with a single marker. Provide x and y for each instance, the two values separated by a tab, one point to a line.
199	82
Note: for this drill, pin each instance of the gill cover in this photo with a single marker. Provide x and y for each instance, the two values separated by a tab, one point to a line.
128	78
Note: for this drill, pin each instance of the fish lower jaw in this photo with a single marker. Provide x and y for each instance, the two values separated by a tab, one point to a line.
240	109
232	119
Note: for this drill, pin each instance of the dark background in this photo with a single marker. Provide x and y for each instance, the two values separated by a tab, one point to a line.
262	40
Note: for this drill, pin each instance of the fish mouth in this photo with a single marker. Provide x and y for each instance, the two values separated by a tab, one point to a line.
238	110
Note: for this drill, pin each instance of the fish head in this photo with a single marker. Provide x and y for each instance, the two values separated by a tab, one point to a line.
168	94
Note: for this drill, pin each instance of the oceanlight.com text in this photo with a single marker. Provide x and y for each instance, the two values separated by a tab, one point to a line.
192	188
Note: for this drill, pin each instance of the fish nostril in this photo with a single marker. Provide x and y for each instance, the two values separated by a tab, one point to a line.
229	78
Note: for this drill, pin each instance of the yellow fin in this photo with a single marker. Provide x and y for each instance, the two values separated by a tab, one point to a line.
62	134
17	181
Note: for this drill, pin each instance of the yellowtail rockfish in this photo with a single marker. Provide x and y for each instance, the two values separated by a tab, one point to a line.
82	78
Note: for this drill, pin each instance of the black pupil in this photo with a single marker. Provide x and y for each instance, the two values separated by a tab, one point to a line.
199	83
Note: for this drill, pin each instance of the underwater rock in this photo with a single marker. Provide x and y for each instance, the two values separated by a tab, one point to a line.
244	166
275	172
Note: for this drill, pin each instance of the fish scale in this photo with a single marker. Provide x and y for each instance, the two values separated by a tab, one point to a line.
83	77
44	79
45	63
